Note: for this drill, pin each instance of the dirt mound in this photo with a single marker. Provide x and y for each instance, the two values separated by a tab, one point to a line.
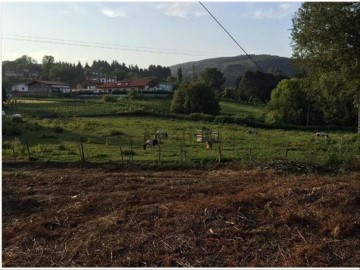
102	216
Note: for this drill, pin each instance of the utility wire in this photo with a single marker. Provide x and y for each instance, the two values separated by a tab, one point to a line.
231	37
100	45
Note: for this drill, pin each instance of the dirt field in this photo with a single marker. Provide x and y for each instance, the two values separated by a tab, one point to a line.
105	215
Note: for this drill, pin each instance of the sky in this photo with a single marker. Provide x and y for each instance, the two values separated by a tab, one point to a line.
143	33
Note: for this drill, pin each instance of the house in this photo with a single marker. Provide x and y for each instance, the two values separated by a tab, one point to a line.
165	86
47	87
139	84
108	88
22	87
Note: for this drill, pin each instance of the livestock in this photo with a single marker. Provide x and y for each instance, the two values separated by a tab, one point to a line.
151	142
322	134
208	145
252	131
159	134
16	117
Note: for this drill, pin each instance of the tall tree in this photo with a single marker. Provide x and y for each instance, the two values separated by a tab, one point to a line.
195	76
326	45
47	63
195	98
213	78
179	75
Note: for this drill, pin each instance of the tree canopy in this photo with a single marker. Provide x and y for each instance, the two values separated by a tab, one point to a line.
326	46
213	78
195	98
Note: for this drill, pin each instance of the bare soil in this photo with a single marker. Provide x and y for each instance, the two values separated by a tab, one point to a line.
109	216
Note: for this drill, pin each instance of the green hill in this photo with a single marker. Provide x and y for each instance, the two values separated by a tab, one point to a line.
234	66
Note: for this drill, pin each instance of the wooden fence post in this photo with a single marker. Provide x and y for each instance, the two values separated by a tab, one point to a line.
219	155
122	155
159	152
82	154
28	150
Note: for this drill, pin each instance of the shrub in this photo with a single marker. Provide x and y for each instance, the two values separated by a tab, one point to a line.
109	98
200	117
222	119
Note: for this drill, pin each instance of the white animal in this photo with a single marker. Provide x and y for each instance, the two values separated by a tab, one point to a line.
159	134
151	143
16	116
321	134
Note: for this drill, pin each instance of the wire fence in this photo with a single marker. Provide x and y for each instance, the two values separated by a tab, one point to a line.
182	148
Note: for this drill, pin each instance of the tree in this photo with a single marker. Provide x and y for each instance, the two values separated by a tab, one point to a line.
47	63
179	75
213	78
195	98
195	76
258	85
288	103
326	45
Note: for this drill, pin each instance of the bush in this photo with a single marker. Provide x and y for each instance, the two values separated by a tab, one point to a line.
223	119
200	117
109	98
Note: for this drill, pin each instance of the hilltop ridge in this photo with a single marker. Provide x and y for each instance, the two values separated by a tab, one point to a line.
234	66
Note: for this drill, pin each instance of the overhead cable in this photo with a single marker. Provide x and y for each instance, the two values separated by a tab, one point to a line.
231	37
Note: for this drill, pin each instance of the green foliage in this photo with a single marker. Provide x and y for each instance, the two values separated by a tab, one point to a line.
326	42
10	128
257	85
195	98
179	75
109	99
288	103
234	66
213	78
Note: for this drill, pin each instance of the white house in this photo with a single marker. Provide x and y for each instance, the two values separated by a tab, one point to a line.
165	86
22	87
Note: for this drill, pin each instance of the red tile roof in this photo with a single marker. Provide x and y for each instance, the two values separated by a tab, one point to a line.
129	83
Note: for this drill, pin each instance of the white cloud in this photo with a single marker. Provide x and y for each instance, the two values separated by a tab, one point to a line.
278	12
113	13
181	10
174	10
200	13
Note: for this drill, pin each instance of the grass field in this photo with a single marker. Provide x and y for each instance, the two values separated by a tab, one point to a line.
102	135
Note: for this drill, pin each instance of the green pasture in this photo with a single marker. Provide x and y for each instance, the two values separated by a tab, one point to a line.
243	110
120	138
102	137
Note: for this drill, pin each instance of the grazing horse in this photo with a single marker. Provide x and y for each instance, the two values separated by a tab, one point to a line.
159	134
208	145
151	142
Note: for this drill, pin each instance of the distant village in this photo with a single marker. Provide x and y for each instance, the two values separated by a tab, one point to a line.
27	82
96	84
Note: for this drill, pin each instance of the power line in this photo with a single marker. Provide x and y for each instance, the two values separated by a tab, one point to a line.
102	45
231	37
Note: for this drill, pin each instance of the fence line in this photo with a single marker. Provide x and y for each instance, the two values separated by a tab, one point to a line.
185	151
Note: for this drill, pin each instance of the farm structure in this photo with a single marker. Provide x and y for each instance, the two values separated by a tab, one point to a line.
47	87
206	134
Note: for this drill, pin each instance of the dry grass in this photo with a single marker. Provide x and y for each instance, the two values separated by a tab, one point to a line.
99	215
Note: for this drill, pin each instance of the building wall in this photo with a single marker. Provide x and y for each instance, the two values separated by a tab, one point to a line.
20	88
